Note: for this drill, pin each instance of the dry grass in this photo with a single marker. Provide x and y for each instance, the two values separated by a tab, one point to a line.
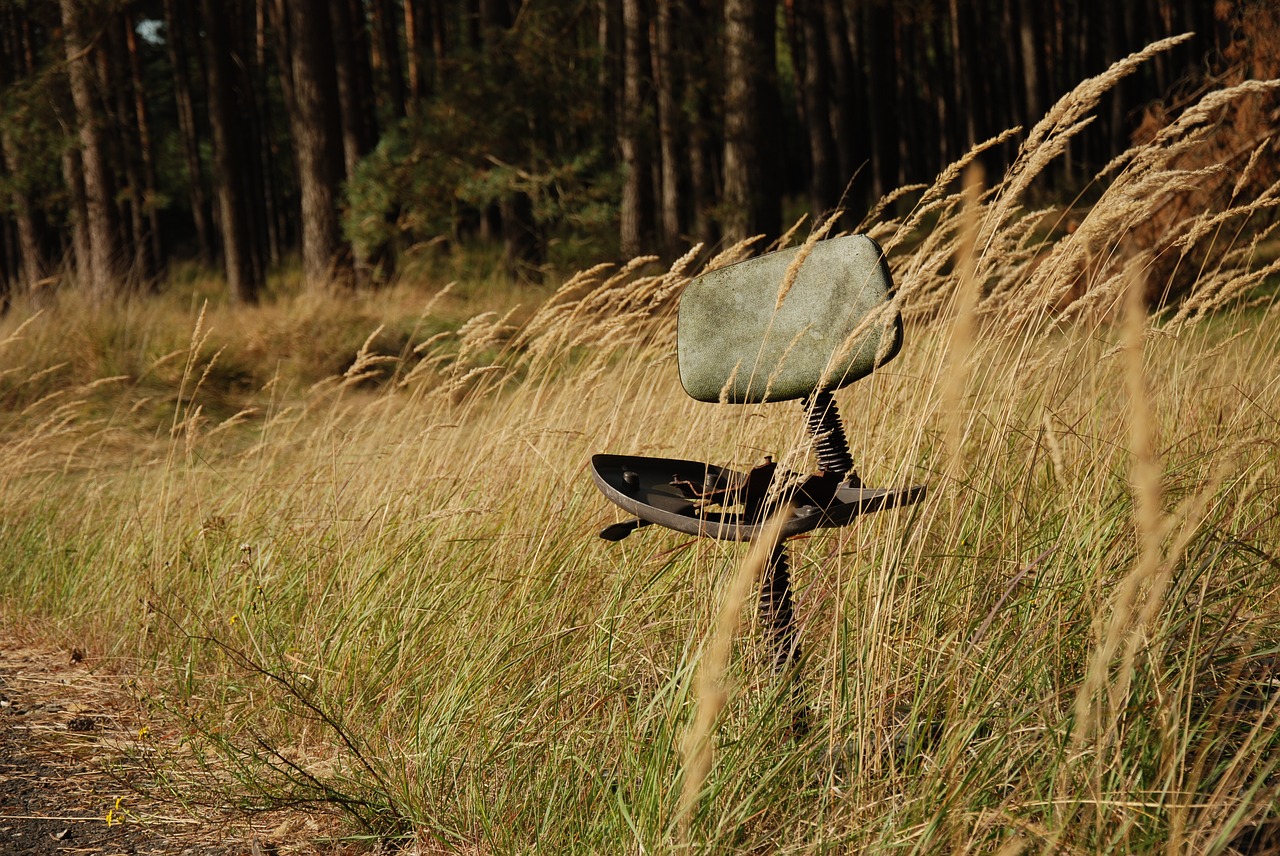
376	586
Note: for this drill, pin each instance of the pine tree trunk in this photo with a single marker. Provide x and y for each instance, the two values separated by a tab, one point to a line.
268	195
34	267
124	144
104	276
362	69
143	117
878	39
852	148
354	146
439	37
751	167
316	138
413	65
824	190
384	21
178	46
421	41
609	78
522	239
281	28
1030	62
247	43
669	128
961	94
698	39
228	159
78	214
741	154
636	232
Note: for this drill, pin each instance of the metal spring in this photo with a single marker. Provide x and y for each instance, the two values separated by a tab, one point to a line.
823	421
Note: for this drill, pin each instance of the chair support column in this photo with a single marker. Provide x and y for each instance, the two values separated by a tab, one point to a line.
822	418
776	611
778	617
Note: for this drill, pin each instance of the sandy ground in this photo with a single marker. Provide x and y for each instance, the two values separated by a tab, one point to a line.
73	775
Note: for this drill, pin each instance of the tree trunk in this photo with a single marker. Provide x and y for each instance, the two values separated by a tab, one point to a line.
751	167
522	239
413	64
362	70
267	199
1011	106
388	41
636	234
961	94
282	27
669	128
104	277
698	39
257	182
30	253
824	189
741	156
316	138
32	262
908	125
1117	133
228	159
178	46
421	44
124	142
852	147
78	214
287	211
142	115
354	145
609	44
878	39
439	37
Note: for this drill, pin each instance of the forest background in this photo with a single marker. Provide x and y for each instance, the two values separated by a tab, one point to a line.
360	134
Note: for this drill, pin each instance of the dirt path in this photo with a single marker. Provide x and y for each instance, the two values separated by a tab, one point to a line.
69	785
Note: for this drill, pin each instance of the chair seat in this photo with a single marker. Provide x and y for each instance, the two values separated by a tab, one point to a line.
700	499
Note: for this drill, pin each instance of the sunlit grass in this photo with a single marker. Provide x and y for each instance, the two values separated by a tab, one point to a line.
362	570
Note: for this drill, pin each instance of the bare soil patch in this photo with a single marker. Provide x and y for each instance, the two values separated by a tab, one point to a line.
72	777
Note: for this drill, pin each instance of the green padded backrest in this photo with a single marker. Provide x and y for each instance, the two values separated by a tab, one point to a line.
833	327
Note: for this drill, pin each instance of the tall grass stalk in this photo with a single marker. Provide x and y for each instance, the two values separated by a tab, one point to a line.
712	695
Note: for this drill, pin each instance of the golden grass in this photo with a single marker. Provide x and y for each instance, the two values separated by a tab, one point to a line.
712	695
361	567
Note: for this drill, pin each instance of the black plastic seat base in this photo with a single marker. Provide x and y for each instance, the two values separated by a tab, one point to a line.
658	491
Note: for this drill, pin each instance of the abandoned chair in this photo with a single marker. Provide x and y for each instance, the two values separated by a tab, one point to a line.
741	340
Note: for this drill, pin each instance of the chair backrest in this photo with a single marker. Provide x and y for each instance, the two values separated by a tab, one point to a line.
834	326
